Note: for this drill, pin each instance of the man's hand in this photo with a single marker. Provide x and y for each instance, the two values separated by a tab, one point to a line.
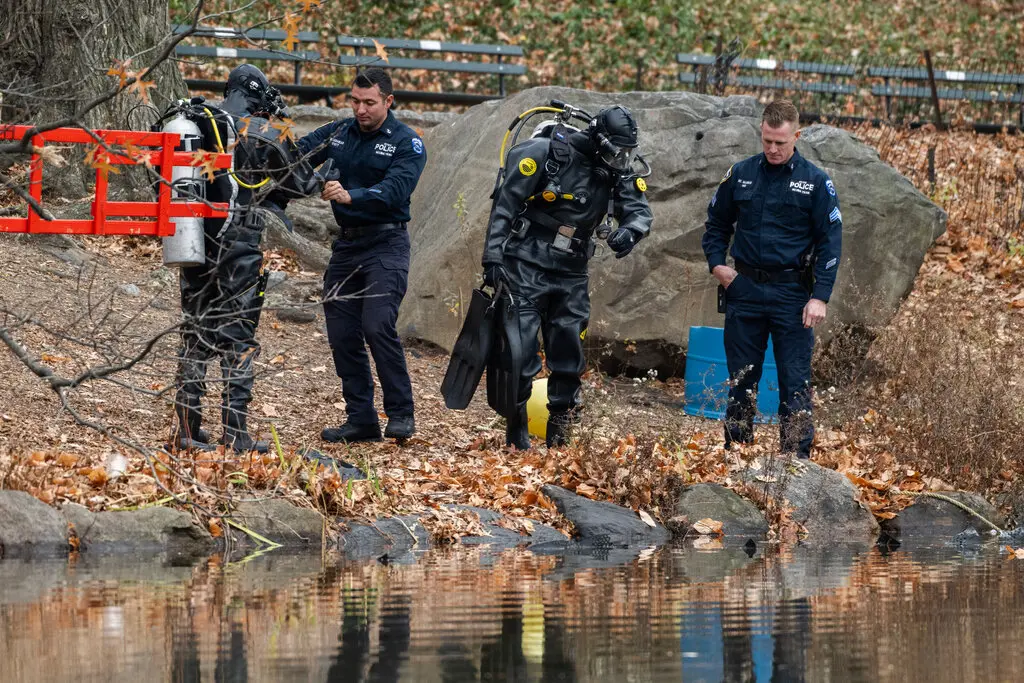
814	312
622	242
725	275
334	192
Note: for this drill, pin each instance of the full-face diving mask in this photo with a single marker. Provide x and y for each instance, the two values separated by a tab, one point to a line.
617	158
615	134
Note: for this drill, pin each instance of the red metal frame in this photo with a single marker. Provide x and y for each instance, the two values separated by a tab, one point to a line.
113	218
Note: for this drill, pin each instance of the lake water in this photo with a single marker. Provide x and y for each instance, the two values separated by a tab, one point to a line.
466	614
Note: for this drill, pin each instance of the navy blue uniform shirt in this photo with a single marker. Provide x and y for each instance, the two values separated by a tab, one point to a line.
379	169
778	216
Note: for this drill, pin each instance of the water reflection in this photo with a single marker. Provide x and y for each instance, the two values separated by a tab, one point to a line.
468	615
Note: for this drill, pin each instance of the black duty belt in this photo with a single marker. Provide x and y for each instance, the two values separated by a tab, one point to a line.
764	276
360	231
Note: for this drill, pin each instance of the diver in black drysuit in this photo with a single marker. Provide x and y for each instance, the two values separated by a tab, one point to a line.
222	299
539	246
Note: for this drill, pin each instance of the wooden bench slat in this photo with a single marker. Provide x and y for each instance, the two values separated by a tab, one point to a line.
691	78
431	46
434	65
918	74
803	86
251	34
949	94
769	64
244	53
695	59
819	68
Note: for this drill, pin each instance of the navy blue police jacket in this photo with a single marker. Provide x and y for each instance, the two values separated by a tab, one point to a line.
775	218
379	169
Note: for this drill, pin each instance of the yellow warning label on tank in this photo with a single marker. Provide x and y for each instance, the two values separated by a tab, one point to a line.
527	166
641	184
583	334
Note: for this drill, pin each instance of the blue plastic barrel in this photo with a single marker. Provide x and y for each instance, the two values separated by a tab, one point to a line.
707	378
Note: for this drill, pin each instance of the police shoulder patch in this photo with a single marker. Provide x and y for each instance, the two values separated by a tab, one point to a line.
527	166
728	174
830	187
417	145
641	184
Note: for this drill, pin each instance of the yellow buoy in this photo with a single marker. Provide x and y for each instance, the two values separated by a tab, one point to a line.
537	409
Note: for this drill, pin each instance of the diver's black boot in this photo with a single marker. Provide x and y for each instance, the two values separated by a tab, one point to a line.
558	429
517	432
236	435
187	432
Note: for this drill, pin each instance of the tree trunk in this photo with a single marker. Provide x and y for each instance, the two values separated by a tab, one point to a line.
54	59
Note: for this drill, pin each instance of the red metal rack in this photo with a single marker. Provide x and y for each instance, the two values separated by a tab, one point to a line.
110	217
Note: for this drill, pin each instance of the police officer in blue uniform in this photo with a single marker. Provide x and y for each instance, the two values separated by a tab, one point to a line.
782	216
380	161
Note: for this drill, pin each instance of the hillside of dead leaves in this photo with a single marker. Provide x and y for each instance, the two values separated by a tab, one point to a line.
935	403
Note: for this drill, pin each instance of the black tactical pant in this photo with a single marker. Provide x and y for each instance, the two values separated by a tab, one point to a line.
221	302
364	285
556	305
754	311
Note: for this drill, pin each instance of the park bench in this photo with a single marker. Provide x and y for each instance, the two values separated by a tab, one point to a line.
704	66
252	49
1009	86
495	54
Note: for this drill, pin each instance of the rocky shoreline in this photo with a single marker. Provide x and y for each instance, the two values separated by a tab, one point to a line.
822	501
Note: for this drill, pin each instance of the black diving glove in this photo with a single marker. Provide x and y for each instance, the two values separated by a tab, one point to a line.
493	274
622	241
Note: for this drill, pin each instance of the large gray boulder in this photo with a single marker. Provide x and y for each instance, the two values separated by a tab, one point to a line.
739	517
154	529
604	524
663	287
823	500
30	528
931	519
281	522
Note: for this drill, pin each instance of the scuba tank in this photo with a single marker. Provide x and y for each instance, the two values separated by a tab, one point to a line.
185	247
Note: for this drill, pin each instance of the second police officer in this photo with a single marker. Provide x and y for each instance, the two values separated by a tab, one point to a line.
540	239
782	216
380	161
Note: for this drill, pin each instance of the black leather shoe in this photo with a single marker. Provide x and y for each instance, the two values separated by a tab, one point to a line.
351	433
400	427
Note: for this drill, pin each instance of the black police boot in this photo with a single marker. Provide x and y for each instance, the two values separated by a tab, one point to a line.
351	433
558	428
400	427
517	432
236	434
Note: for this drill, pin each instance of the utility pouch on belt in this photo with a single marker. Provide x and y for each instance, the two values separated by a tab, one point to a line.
563	238
721	299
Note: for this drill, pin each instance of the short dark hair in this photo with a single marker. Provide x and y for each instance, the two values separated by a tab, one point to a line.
374	76
779	112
